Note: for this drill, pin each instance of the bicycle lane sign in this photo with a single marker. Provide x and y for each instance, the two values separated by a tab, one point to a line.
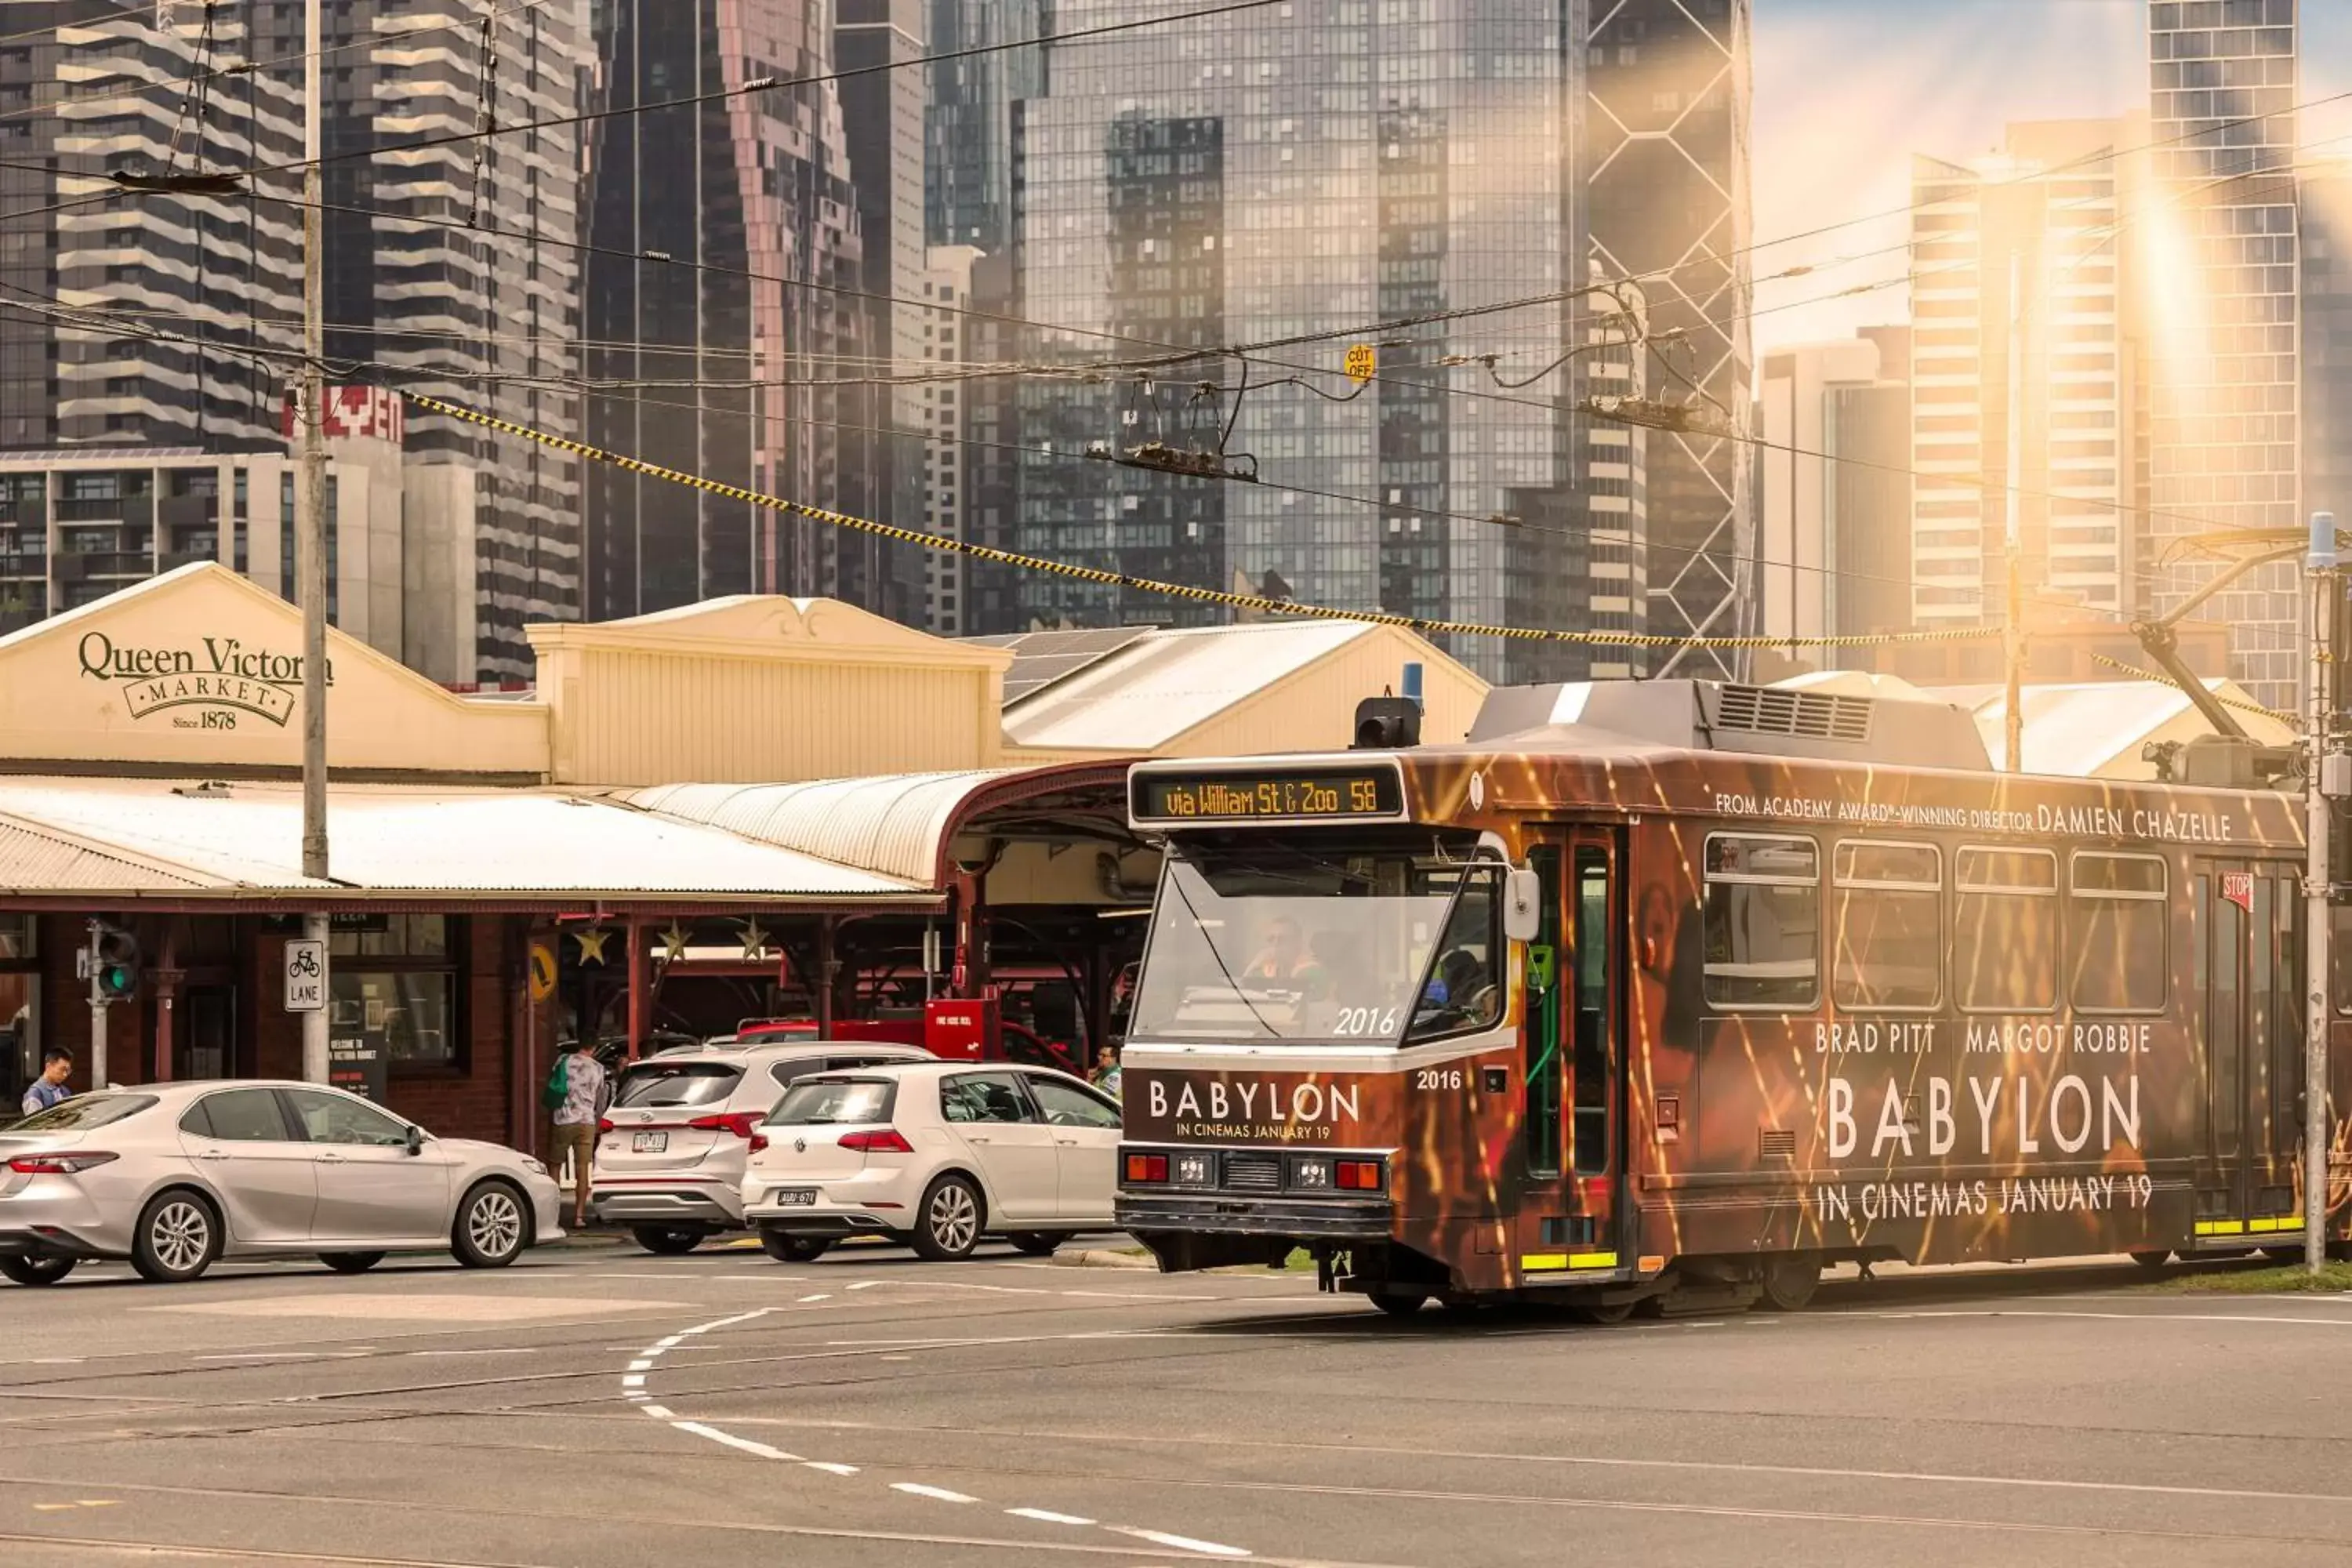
306	977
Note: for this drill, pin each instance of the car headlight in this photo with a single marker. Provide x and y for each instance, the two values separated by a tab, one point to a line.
535	1167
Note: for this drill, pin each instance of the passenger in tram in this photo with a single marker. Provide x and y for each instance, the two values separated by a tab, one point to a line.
1282	954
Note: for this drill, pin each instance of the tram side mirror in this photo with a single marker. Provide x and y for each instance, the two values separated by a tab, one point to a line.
1522	906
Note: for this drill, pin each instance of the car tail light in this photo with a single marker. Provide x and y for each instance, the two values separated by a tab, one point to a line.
1147	1167
887	1141
742	1124
1358	1176
57	1164
603	1124
758	1142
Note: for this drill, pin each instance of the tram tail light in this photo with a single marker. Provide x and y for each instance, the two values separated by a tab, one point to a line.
1358	1176
1147	1167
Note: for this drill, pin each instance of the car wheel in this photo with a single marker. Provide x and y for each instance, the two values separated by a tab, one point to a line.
1036	1243
350	1262
178	1237
36	1270
947	1226
489	1229
1399	1303
669	1240
793	1248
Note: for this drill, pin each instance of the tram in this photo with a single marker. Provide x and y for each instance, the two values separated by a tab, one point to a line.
1678	991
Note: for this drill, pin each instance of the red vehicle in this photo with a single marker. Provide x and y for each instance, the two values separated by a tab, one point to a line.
1687	991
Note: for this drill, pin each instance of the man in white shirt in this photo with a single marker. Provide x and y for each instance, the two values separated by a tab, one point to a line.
575	1123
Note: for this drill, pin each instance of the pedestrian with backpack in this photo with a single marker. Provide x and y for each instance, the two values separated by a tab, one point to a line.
574	1096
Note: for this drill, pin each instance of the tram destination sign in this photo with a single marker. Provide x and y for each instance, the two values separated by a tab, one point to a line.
1273	794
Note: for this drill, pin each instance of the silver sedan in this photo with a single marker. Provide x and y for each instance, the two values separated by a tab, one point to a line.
173	1176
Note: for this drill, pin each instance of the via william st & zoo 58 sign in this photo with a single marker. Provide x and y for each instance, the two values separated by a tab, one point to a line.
215	680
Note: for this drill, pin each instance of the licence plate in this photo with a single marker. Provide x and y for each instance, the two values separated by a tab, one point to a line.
649	1143
794	1194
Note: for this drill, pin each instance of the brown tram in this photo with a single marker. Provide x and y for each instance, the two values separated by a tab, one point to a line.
1683	991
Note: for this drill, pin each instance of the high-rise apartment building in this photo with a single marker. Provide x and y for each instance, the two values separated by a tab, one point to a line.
1834	502
1307	172
954	452
881	413
90	90
427	289
462	305
729	258
2225	446
969	123
2023	308
1667	126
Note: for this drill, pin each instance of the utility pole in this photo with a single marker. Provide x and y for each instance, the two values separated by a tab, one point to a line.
2012	636
2321	759
310	528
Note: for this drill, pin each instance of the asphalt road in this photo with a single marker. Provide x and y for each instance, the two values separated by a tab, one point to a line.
595	1405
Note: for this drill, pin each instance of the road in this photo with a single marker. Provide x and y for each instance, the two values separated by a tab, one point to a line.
593	1405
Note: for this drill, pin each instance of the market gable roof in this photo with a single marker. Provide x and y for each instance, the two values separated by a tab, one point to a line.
395	841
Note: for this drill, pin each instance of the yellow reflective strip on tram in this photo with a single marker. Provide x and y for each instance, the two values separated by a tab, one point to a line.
1592	1260
2221	1226
1535	1261
2276	1223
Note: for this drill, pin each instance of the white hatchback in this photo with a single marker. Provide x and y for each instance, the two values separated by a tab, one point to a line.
935	1154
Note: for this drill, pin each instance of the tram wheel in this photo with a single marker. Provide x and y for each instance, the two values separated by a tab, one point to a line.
1399	1303
1604	1313
2151	1257
1789	1283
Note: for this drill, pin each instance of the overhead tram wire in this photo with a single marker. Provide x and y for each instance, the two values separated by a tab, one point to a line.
70	316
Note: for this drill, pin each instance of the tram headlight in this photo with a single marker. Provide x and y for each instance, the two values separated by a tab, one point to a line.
1310	1172
1196	1170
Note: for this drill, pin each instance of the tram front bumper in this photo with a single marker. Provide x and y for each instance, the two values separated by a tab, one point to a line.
1311	1219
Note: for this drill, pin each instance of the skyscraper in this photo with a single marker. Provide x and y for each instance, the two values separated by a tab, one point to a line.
968	122
1307	172
2023	310
451	305
1666	118
2327	341
2225	444
727	232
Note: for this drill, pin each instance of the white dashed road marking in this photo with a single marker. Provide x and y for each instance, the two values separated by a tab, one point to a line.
632	1383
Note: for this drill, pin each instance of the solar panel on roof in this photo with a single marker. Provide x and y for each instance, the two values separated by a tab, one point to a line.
1043	659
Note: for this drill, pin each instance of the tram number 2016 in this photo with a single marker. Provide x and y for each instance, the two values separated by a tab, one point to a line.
1366	1021
1439	1078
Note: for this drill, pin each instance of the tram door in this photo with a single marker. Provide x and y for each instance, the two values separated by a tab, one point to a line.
2248	970
1571	1128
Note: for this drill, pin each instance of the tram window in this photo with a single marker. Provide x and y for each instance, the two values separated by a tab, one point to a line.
1461	991
1890	924
1595	935
2005	938
1763	922
2122	917
2339	959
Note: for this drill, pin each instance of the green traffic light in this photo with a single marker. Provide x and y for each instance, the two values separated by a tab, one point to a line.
116	980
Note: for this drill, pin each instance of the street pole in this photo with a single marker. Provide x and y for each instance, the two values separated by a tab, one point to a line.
310	531
2318	723
97	1014
2012	636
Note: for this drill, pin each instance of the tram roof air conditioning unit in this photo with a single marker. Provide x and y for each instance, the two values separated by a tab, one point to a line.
1716	716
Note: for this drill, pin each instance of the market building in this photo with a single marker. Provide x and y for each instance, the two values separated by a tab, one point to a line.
753	806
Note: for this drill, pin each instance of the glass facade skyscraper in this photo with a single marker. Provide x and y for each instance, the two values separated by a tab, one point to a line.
1306	171
2327	341
2225	446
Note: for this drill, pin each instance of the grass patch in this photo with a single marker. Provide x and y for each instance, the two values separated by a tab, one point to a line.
2280	1279
1299	1259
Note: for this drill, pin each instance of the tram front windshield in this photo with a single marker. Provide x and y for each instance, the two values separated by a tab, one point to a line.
1263	944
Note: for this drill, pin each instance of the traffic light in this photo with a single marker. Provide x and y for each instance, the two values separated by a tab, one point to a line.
114	966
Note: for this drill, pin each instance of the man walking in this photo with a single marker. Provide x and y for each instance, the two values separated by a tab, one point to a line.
56	1066
581	1078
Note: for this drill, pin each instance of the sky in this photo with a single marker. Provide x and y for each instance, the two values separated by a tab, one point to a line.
1847	90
